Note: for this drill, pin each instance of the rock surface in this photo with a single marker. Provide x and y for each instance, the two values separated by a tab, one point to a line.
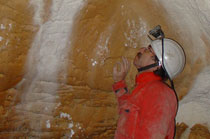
16	36
199	131
56	60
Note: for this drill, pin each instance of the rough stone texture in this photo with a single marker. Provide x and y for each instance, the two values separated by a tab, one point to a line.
102	35
199	131
86	115
81	105
17	32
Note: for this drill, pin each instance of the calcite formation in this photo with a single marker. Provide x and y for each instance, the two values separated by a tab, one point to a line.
56	64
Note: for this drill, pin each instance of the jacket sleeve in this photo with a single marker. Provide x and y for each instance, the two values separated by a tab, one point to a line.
120	90
157	117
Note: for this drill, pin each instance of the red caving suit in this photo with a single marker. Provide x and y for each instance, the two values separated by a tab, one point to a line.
148	112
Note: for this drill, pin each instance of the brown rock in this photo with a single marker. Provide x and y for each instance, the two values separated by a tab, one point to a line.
17	32
199	131
85	105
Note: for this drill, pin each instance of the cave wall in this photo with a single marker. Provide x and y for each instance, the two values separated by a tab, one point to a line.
56	60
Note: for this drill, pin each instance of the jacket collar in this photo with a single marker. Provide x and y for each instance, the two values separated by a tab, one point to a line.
146	77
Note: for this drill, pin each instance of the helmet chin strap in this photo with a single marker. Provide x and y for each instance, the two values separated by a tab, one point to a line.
149	66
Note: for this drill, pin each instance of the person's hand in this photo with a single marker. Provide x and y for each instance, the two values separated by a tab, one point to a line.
120	74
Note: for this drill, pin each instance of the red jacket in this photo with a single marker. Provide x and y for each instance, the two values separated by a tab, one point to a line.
148	112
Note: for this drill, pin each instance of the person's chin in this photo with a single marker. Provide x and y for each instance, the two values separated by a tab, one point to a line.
137	66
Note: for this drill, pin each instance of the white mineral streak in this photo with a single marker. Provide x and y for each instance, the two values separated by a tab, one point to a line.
193	18
195	107
48	123
102	50
3	46
2	27
70	125
10	26
38	5
137	33
47	57
65	115
72	133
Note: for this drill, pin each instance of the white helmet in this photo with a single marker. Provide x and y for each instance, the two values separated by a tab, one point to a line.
174	56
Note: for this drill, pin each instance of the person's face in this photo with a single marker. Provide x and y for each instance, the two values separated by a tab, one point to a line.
145	57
